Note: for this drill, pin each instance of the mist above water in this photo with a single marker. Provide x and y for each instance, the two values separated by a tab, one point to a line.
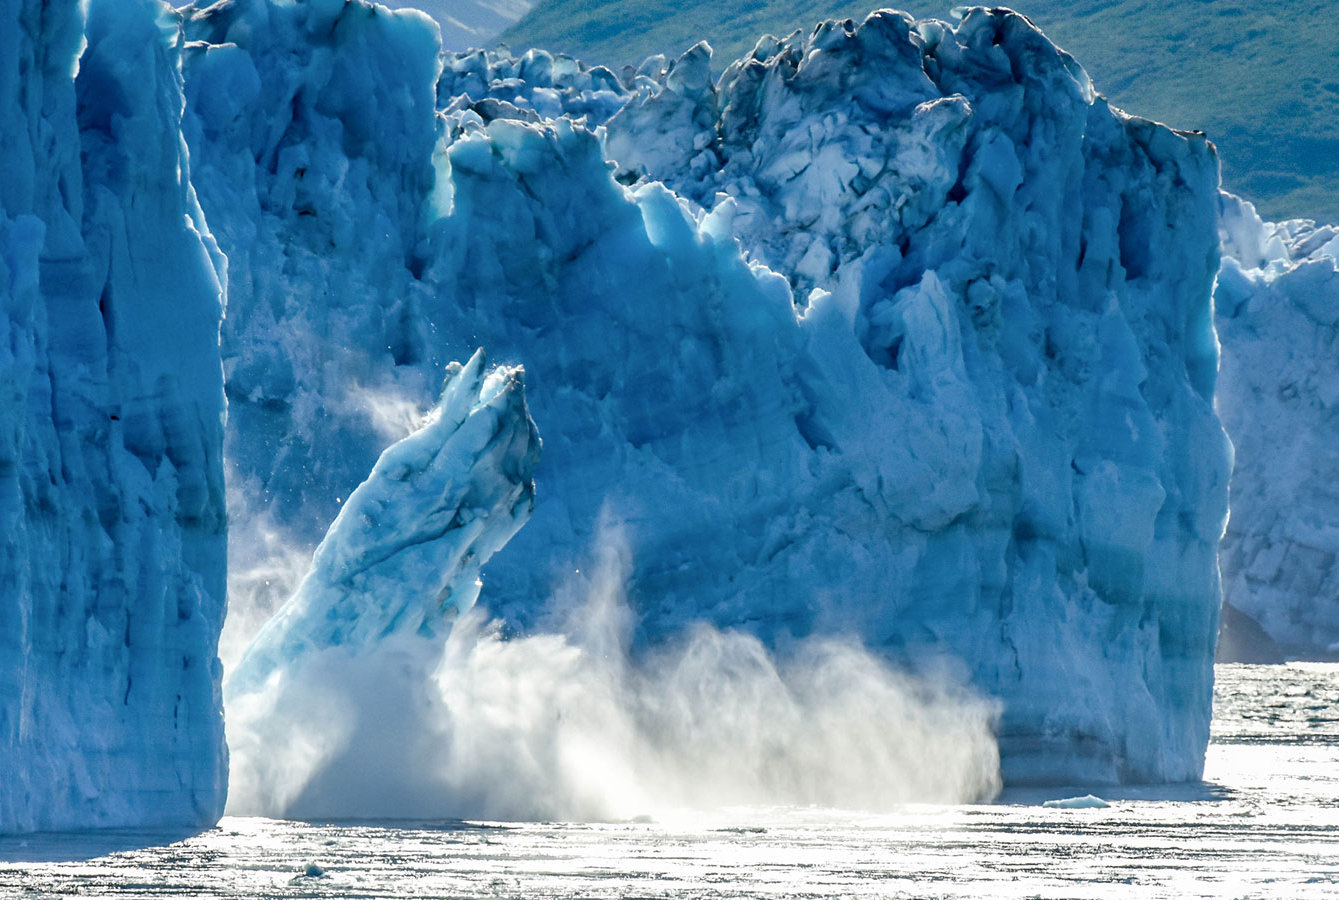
570	725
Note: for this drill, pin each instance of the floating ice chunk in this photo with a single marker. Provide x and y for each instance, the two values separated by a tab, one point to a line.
1087	801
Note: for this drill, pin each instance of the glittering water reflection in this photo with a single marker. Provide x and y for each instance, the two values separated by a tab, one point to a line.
1264	824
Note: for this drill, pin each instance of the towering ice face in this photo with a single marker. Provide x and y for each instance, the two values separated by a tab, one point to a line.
1003	396
904	333
111	421
1277	305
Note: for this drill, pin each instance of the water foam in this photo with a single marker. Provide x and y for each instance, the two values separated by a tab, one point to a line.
575	725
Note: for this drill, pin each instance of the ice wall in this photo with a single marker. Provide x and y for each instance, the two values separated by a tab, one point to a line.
1033	461
898	330
1277	304
111	427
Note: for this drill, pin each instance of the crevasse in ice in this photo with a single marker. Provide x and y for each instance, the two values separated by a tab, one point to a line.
112	564
897	329
1277	304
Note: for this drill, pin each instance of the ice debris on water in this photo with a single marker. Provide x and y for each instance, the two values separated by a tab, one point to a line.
1087	801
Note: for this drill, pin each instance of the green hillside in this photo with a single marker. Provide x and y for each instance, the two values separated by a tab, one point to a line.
1262	78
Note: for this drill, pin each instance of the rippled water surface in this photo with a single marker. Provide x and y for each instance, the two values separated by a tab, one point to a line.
1264	824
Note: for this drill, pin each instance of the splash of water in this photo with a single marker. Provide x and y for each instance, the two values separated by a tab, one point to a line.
571	725
265	566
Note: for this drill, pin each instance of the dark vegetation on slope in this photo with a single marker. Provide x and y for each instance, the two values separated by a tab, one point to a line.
1261	78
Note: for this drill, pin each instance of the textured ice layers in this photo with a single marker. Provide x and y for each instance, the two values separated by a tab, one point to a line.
898	330
112	565
1027	272
1277	304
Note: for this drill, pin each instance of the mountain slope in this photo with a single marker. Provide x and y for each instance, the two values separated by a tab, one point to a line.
1262	79
468	23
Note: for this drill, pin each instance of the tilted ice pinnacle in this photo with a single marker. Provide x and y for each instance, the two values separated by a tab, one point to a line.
404	554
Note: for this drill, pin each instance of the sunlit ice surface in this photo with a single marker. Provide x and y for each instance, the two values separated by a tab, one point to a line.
1265	823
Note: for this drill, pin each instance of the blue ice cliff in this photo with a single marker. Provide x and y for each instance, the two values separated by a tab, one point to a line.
112	565
1277	304
896	330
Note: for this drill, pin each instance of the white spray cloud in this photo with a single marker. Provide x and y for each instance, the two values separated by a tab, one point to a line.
393	410
264	568
571	725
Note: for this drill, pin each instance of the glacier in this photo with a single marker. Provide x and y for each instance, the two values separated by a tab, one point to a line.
1277	302
112	571
896	331
894	337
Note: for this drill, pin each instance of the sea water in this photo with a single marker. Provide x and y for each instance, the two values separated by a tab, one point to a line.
1264	823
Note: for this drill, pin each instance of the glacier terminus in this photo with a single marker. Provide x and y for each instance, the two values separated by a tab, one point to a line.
892	337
